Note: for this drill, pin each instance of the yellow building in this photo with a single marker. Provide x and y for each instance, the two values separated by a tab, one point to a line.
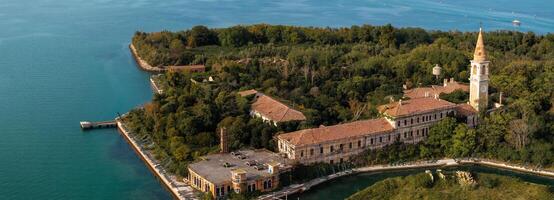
239	172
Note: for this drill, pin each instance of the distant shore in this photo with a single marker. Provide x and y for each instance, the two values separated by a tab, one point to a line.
178	189
142	63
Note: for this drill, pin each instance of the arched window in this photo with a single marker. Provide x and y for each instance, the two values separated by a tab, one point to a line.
474	69
483	70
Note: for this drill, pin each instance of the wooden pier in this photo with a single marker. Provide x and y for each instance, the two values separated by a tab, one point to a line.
85	125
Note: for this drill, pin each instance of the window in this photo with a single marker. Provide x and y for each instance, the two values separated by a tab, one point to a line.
417	119
389	137
417	132
441	115
398	123
435	115
331	149
411	133
412	121
341	160
405	134
265	185
311	152
371	141
320	150
350	145
359	143
340	146
269	184
302	153
331	162
405	122
380	139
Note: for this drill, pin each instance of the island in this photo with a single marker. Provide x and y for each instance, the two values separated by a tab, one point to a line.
243	111
454	185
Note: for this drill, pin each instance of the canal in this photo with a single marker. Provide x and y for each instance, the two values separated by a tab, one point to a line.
343	187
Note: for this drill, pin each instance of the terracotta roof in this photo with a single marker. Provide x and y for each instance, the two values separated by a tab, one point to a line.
414	106
337	132
447	88
188	67
465	109
247	92
275	110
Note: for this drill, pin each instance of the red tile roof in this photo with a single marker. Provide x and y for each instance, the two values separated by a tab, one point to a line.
275	110
446	88
337	132
191	68
414	106
465	109
247	92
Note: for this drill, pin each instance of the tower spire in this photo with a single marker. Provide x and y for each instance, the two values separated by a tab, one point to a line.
480	53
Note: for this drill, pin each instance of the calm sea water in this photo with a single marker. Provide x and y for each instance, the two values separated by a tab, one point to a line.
63	61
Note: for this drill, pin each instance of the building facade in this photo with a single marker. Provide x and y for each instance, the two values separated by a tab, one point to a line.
239	172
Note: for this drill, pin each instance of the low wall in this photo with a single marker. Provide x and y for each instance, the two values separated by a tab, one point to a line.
142	63
174	190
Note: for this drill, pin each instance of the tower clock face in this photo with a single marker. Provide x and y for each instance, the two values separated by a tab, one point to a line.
483	88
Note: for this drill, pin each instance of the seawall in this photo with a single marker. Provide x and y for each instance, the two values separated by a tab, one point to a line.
142	63
178	190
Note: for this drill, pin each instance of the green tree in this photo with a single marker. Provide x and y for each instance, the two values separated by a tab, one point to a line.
463	141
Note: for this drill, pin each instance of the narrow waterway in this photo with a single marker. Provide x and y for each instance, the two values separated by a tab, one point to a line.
343	187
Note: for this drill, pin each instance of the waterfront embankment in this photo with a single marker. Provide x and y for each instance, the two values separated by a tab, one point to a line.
504	165
292	189
142	63
179	189
298	188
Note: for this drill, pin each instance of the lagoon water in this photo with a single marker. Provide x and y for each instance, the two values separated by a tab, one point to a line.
63	61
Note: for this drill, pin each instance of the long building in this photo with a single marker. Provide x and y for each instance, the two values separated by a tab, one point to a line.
406	121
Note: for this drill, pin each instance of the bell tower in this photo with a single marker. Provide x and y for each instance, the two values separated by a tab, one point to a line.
479	79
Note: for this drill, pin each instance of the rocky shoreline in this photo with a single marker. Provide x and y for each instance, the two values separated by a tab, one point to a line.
142	63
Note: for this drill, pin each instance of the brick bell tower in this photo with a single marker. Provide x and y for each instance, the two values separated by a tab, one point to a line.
479	79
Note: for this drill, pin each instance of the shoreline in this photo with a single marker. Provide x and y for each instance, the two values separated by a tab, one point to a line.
142	64
302	187
178	190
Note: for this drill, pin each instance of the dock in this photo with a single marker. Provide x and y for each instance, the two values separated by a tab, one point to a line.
85	125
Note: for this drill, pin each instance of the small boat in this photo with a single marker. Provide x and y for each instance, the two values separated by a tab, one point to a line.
516	22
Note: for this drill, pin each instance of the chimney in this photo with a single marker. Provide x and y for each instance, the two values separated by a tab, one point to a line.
223	140
445	82
426	94
436	96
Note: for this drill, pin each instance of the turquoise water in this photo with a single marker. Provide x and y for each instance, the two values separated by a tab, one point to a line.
63	61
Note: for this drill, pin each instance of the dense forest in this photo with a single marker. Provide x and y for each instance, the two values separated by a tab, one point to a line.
336	75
